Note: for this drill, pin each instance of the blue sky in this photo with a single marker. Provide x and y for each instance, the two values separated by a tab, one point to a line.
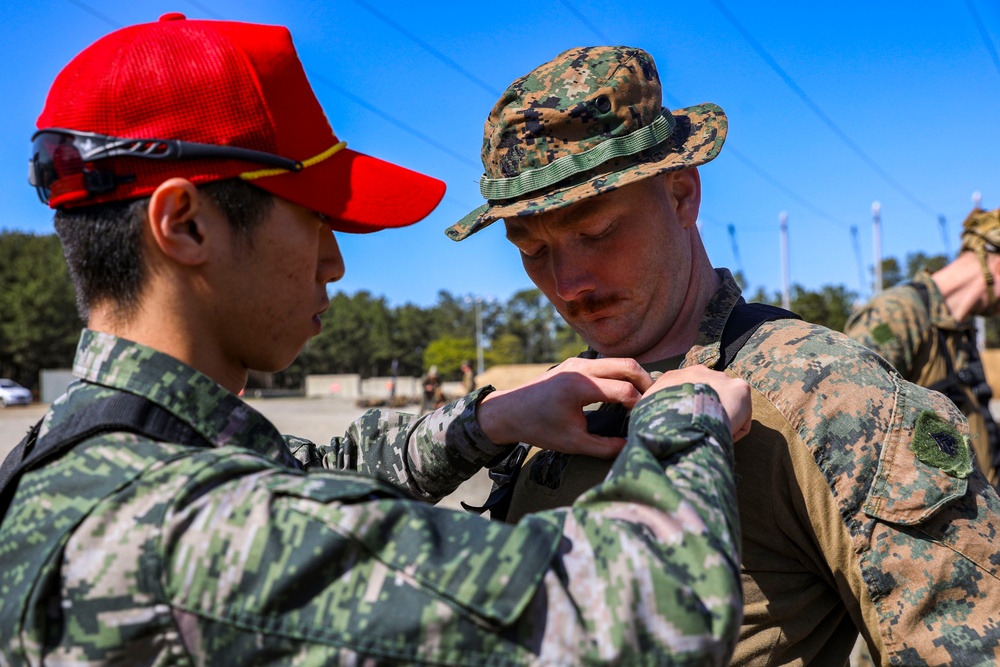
831	106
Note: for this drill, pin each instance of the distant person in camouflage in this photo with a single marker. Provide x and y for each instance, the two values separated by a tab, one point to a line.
432	396
196	183
859	506
925	328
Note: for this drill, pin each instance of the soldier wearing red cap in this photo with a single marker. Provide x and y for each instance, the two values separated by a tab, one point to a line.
154	517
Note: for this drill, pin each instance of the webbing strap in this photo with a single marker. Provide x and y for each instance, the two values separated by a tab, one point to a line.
120	412
743	322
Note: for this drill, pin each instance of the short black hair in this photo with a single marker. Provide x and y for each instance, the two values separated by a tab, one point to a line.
103	243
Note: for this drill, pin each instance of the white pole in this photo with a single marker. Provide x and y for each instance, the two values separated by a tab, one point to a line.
786	294
877	245
977	199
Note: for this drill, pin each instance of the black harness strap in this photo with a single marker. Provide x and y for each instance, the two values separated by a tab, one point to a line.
743	322
121	412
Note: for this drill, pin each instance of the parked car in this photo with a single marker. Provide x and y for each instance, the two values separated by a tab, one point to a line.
11	393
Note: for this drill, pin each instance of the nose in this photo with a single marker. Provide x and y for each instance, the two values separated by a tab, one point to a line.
571	276
331	263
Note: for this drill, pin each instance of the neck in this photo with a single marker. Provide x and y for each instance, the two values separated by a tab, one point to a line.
703	282
167	325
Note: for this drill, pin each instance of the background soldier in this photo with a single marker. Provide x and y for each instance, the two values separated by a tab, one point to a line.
859	506
925	328
159	519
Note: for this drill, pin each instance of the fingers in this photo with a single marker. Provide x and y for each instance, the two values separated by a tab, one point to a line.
548	412
734	393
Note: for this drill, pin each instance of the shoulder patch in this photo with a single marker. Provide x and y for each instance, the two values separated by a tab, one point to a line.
938	444
882	334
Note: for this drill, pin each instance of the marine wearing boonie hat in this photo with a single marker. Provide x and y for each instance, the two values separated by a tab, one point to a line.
587	122
981	234
144	104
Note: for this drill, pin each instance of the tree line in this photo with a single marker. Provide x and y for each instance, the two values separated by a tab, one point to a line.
362	333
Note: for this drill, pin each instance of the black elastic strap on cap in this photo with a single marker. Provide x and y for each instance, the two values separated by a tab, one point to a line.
121	412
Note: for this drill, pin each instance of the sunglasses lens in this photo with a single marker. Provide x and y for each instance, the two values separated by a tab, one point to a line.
53	156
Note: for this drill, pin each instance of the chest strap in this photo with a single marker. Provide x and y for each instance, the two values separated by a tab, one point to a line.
120	412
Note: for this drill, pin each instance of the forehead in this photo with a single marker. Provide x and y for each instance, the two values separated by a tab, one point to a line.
626	201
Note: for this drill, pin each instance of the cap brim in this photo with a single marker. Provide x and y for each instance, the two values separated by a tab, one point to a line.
709	126
359	193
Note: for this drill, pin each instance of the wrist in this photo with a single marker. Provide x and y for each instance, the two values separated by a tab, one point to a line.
493	416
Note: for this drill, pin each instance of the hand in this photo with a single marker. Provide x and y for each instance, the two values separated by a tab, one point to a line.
734	393
548	412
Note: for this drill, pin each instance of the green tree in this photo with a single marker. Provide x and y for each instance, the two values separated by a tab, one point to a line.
568	343
916	261
39	324
448	353
892	274
529	316
830	306
355	337
505	349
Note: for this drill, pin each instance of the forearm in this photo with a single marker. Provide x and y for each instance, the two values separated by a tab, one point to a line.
653	571
426	456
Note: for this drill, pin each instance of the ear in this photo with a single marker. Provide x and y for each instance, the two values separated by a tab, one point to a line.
685	186
176	221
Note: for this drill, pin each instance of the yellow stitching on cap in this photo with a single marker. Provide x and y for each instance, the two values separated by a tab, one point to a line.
316	159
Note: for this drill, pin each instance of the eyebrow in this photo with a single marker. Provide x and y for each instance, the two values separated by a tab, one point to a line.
515	234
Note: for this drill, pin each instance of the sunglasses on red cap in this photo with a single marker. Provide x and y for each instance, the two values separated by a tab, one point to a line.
66	158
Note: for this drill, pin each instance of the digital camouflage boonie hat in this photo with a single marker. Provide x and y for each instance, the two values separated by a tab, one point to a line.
981	230
589	121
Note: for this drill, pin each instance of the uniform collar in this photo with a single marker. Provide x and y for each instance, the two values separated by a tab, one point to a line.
707	345
191	396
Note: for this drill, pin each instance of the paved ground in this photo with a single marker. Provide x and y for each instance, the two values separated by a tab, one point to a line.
316	419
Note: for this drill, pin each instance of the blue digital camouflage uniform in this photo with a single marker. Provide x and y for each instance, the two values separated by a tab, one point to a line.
859	506
897	325
127	550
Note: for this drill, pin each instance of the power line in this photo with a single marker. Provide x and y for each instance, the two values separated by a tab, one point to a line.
817	110
789	193
429	49
93	12
201	7
395	121
327	82
984	34
674	102
583	19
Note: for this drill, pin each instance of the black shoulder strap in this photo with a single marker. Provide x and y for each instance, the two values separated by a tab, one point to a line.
743	322
120	412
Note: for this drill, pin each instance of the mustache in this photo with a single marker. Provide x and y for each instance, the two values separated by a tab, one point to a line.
591	304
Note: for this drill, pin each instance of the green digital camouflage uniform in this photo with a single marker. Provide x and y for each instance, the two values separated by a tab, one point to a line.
897	325
853	513
126	550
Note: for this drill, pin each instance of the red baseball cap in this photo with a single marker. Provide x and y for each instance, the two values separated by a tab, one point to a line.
221	83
